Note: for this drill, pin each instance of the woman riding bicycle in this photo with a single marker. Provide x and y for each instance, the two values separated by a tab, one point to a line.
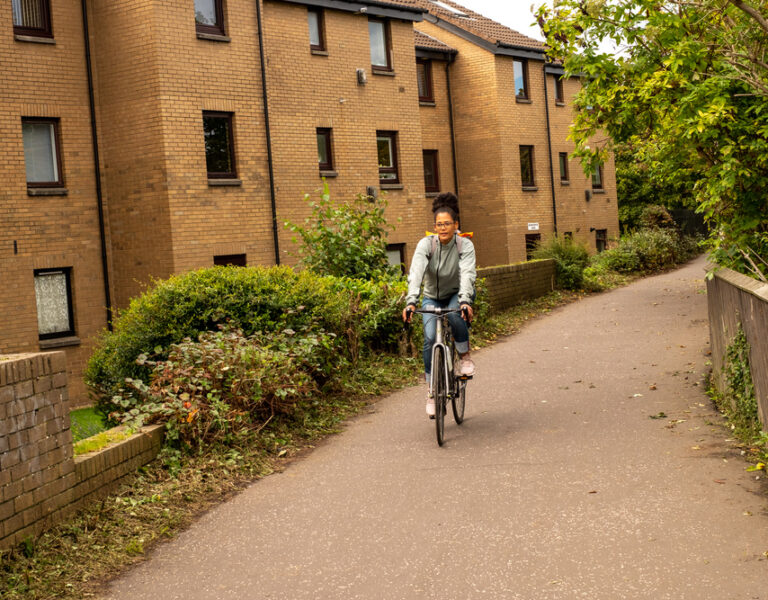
449	282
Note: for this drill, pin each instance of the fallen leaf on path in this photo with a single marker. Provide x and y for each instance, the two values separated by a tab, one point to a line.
652	386
695	447
593	492
758	467
721	481
637	396
661	415
746	513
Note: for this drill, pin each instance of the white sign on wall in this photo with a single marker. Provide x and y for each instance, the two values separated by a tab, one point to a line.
533	226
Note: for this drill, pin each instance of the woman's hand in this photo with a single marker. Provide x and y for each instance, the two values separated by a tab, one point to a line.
408	313
466	313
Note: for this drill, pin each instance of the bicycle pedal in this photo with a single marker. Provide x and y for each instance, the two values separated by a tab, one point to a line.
466	377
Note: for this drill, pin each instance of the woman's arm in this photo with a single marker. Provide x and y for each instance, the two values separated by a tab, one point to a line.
467	272
416	272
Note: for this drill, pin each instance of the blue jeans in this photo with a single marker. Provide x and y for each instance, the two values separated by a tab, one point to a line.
458	325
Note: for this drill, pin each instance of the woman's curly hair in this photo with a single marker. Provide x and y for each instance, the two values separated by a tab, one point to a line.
446	202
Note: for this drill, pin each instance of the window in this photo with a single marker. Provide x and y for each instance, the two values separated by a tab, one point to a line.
601	239
597	178
209	16
41	152
380	45
563	157
233	260
559	94
219	145
396	256
424	73
324	154
53	295
568	235
32	17
316	35
386	144
526	166
521	79
431	176
532	241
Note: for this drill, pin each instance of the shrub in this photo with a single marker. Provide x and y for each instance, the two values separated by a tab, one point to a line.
570	260
655	216
346	240
225	383
251	299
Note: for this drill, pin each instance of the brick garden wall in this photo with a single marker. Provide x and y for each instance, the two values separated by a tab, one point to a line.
735	299
40	480
511	284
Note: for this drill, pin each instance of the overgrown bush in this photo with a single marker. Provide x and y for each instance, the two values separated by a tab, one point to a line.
655	216
570	258
255	300
224	384
347	239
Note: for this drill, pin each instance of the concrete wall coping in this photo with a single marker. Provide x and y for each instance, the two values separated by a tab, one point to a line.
745	283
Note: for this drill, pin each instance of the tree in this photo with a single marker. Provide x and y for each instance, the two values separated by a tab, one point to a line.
688	92
345	240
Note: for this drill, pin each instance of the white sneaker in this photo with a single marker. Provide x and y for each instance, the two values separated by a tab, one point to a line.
466	367
430	406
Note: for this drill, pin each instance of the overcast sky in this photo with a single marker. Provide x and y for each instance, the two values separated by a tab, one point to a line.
512	13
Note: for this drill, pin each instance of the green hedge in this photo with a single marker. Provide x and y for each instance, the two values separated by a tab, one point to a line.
358	314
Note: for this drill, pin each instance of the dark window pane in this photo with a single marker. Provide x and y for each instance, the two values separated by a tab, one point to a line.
218	145
559	96
431	181
31	17
601	239
424	76
324	155
234	260
563	166
521	87
532	241
387	155
597	178
526	165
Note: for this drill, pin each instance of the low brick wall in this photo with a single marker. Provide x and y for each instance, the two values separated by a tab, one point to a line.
40	480
735	299
509	285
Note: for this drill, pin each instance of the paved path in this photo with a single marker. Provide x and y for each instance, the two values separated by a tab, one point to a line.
557	486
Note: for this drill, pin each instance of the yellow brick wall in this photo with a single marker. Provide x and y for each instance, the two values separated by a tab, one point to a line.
478	147
574	212
307	91
203	75
48	80
436	127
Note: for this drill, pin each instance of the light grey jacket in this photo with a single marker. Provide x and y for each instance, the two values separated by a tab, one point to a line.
444	272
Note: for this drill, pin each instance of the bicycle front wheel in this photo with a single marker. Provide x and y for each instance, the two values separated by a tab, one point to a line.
458	401
440	391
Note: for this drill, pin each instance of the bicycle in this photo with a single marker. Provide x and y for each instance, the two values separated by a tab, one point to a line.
444	383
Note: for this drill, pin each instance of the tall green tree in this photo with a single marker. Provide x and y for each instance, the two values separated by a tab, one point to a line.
688	92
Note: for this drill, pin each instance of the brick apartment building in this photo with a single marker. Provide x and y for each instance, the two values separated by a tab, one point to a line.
144	138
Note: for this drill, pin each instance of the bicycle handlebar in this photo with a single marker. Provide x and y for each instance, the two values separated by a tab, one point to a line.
436	310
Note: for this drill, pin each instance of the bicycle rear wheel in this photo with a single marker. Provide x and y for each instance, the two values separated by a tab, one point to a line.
458	401
439	390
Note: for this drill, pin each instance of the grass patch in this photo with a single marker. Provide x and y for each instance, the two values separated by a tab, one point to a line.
71	560
85	422
101	440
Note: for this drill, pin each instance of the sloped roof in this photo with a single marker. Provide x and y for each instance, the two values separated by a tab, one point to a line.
475	23
427	42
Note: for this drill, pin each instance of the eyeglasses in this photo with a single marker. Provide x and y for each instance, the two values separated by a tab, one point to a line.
445	225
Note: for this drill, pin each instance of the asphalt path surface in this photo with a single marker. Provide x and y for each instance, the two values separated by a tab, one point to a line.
559	484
